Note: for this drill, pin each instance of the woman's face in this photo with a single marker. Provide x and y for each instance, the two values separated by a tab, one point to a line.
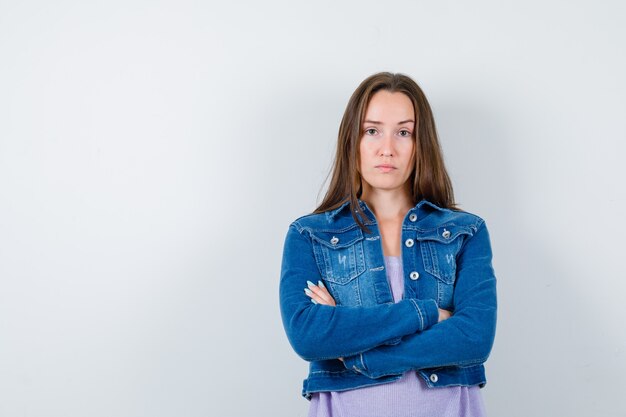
387	144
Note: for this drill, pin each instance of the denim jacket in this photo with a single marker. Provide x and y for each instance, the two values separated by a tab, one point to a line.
446	257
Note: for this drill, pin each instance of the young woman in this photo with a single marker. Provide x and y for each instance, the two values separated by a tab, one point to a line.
387	288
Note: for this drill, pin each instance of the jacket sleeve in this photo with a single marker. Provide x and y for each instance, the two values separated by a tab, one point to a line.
466	338
319	332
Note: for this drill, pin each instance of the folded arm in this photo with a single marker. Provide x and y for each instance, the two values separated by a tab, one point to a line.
318	332
465	338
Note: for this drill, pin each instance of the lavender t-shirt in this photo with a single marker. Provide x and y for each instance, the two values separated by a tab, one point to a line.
408	396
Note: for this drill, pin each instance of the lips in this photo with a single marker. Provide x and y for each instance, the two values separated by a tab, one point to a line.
385	167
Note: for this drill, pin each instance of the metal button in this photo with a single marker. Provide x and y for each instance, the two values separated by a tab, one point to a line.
414	275
434	378
413	217
334	240
445	234
409	243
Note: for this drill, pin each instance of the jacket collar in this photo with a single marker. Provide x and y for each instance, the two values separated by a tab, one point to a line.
332	213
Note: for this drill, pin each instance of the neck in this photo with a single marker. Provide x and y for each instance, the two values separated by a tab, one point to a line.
387	204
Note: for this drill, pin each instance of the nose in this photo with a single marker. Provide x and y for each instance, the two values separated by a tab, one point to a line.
386	145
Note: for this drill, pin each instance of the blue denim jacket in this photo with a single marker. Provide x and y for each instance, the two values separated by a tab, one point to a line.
446	256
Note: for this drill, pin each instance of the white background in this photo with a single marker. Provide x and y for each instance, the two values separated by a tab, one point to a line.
153	153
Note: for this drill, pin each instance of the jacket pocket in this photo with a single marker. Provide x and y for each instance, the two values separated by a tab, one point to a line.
339	254
440	247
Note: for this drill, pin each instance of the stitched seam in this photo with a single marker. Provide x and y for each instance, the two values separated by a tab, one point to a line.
480	224
335	230
419	313
298	227
329	372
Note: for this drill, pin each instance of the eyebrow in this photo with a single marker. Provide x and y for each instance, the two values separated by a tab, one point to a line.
375	122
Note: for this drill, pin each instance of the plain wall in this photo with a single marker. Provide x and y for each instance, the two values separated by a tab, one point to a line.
153	153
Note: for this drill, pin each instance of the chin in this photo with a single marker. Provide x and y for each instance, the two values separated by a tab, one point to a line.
387	187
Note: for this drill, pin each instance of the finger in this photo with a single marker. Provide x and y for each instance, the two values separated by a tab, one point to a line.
326	295
315	298
321	292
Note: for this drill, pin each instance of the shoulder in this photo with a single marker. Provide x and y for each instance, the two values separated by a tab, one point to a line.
462	217
445	224
433	216
325	221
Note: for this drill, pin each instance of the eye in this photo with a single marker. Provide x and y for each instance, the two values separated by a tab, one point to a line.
371	131
405	133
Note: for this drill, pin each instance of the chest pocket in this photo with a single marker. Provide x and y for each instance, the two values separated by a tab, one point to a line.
339	255
440	248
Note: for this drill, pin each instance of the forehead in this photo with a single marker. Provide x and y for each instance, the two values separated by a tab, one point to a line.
387	106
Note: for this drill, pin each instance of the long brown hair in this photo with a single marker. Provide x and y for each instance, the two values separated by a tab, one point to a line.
429	177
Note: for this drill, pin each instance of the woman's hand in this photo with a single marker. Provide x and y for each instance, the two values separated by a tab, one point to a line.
444	315
319	294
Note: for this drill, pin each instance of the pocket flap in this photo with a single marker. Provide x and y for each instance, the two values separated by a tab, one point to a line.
338	240
444	234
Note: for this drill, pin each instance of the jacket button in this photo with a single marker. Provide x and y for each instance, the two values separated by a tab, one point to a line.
434	378
334	240
414	275
413	217
409	243
445	234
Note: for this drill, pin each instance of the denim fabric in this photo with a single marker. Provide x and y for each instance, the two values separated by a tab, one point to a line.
447	263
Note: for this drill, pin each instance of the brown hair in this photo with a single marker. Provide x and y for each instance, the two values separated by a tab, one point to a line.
429	177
